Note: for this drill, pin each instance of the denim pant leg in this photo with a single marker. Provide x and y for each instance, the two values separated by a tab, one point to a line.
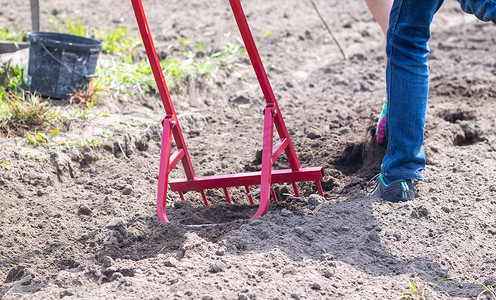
485	10
407	81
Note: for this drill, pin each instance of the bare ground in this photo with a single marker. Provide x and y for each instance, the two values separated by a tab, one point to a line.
81	223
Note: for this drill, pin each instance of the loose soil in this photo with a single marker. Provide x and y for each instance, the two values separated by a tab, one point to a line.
81	222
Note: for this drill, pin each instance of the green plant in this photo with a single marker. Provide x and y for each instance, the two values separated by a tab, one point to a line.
20	113
117	40
93	142
5	164
79	113
77	27
40	138
8	35
416	291
84	98
228	55
128	78
11	79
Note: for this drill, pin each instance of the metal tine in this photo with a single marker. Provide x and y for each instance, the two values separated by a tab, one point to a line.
319	186
226	192
181	195
295	188
247	189
274	194
205	201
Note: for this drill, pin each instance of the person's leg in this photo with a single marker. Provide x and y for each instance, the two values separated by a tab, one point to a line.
380	9
407	81
485	10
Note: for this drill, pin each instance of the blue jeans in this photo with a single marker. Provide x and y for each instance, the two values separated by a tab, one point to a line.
407	81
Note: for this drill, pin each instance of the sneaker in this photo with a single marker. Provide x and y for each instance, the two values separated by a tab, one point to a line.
380	131
397	191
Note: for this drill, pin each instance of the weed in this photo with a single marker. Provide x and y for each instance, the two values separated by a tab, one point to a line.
84	98
41	138
93	142
265	35
8	35
125	76
5	164
183	41
228	55
11	79
117	40
19	115
416	290
76	28
79	113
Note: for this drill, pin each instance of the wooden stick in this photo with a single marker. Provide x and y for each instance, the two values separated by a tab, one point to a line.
329	30
35	15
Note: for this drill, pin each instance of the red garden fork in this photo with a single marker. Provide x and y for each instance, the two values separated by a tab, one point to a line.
270	151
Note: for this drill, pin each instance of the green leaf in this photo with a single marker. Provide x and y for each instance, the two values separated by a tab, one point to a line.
54	133
31	140
41	137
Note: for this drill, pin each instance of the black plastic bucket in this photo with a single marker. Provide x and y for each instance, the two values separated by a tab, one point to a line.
60	64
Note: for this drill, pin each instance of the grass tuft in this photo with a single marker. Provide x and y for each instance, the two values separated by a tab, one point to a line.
84	98
416	291
9	35
11	79
21	113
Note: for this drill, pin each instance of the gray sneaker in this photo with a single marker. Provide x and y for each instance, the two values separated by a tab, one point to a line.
397	191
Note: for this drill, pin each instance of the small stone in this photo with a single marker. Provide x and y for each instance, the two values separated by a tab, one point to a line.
84	210
108	261
216	267
207	298
220	252
242	297
286	213
313	133
445	209
116	276
328	274
171	262
26	280
315	286
115	223
15	274
66	293
299	230
315	199
127	190
255	222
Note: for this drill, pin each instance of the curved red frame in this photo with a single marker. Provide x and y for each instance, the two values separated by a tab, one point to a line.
270	152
